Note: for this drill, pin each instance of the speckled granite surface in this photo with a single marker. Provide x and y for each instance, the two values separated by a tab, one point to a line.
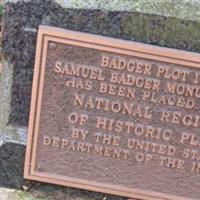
21	20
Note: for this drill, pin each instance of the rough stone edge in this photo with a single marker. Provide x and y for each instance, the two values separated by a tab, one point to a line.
8	133
182	9
5	93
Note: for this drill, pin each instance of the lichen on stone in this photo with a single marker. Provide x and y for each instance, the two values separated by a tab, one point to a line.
184	9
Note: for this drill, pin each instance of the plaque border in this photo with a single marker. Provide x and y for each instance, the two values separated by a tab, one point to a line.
46	34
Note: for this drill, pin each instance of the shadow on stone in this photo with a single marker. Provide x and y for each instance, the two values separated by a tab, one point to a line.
11	165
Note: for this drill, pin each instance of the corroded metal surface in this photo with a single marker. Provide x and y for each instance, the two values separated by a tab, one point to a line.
114	116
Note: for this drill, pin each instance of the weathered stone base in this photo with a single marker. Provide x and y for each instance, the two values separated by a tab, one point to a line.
12	194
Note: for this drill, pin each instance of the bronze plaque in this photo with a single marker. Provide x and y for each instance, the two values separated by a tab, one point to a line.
114	116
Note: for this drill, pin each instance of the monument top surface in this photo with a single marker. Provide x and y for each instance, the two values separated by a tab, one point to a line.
185	9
